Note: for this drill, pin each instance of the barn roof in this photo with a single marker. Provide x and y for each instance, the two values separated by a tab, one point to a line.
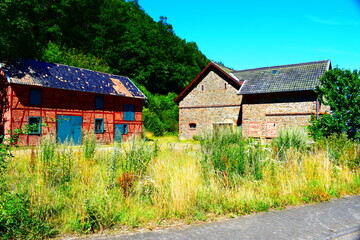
52	75
285	78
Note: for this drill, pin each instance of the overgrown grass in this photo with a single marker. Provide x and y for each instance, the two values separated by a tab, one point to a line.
138	183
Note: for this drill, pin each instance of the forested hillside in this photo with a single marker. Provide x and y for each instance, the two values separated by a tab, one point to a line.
114	36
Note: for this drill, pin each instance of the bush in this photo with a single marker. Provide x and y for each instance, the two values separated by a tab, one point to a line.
230	155
135	160
89	145
16	221
341	150
47	150
290	138
160	114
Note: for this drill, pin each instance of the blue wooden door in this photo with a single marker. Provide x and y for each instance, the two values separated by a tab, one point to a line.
120	130
69	128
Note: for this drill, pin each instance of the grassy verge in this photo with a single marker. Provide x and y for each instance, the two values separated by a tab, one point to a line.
141	184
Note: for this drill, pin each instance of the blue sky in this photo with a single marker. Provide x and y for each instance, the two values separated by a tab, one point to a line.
250	34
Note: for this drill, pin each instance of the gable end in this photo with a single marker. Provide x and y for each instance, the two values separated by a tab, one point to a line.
210	67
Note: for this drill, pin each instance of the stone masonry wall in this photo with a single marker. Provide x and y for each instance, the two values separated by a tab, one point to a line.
264	118
212	101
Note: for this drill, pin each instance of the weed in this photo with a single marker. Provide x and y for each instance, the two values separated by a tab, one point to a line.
135	184
341	150
290	139
89	145
47	151
16	221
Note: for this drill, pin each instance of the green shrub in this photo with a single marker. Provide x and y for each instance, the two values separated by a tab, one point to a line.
16	221
89	145
341	150
64	163
290	138
230	155
137	156
47	151
255	158
160	114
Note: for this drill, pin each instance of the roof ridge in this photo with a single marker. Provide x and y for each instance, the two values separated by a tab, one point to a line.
282	66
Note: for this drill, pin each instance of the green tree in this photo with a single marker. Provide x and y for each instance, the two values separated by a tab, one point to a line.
340	89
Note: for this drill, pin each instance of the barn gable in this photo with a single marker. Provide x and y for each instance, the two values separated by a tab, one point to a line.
209	100
211	67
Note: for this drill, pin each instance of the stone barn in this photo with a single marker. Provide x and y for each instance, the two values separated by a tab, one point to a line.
67	102
261	100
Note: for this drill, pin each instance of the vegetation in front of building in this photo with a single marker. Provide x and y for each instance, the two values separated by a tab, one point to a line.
55	189
339	89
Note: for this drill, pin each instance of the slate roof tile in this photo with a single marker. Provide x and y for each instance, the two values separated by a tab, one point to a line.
43	74
293	77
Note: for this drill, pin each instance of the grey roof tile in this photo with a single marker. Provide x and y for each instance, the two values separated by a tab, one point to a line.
293	77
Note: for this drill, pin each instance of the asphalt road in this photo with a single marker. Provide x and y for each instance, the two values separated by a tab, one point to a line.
336	219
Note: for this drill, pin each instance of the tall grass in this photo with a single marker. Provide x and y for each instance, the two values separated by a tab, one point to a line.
138	183
290	139
89	145
226	152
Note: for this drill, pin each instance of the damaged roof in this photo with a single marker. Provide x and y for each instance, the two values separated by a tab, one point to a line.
52	75
284	78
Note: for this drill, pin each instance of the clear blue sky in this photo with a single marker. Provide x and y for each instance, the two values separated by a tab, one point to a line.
247	34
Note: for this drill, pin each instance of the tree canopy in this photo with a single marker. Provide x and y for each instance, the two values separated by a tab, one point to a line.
118	34
340	89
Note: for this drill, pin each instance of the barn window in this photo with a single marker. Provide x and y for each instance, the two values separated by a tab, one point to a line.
192	125
129	112
99	102
99	125
125	129
35	96
202	87
34	125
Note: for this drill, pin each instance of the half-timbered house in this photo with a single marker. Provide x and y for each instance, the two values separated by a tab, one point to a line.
67	102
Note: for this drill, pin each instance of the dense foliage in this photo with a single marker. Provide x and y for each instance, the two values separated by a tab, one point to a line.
340	89
118	32
160	114
113	36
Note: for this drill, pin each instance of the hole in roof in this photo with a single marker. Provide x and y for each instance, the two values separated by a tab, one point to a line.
274	72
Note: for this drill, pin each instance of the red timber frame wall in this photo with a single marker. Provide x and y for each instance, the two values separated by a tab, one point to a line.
16	110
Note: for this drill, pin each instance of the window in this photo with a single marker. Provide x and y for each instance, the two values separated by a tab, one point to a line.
99	125
129	112
202	87
34	125
192	125
125	129
35	96
99	102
